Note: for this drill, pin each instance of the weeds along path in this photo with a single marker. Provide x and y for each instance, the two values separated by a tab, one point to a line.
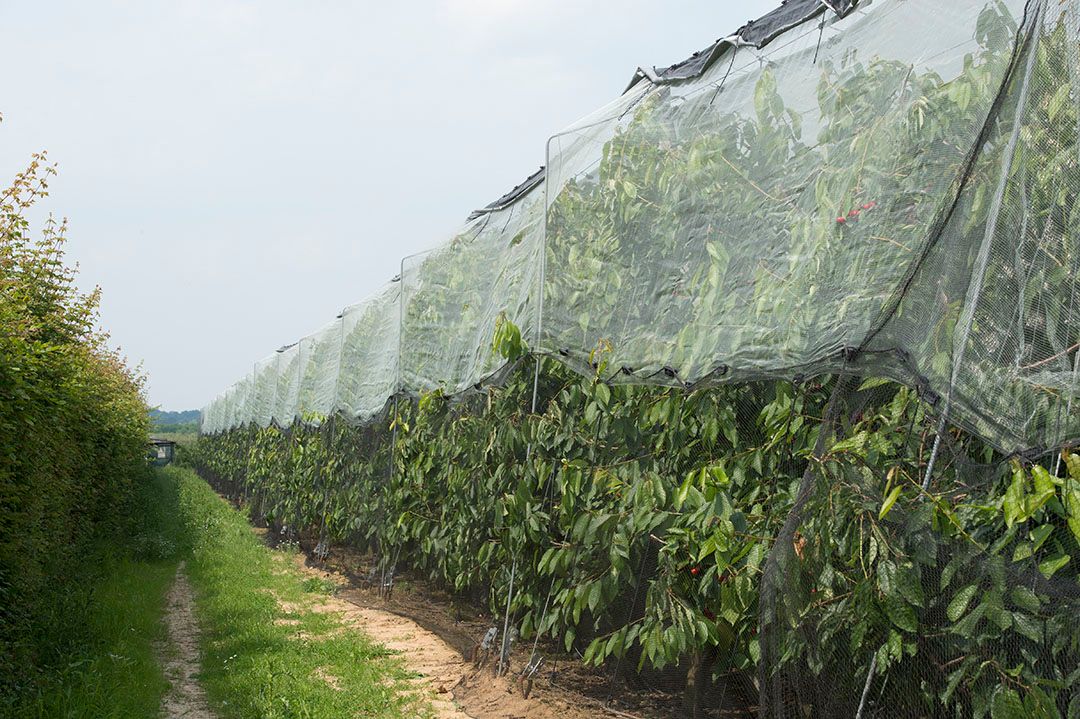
180	658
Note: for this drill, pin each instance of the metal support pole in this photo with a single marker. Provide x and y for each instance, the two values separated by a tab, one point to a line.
866	687
504	659
975	288
934	452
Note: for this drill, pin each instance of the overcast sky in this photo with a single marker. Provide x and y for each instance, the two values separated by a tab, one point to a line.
240	170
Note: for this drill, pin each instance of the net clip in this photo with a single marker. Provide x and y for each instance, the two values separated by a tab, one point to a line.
482	651
528	674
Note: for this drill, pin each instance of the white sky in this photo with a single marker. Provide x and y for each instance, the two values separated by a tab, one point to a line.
246	169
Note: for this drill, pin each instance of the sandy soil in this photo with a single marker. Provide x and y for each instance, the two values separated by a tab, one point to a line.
459	690
180	657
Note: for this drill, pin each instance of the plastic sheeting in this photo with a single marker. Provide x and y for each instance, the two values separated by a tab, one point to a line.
885	190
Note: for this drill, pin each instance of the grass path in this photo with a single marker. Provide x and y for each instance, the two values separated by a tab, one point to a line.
192	616
269	649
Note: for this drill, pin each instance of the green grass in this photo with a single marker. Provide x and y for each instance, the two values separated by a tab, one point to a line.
266	652
102	661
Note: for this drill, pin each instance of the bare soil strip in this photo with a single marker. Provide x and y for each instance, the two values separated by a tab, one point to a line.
180	658
460	691
437	666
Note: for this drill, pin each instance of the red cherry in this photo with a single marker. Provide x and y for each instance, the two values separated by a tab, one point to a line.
695	571
853	213
841	220
868	206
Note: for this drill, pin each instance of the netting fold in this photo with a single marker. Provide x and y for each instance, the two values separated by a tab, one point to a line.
368	373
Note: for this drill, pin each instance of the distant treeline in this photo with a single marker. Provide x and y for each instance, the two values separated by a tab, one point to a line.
184	422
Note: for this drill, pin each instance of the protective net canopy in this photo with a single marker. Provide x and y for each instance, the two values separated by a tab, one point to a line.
453	296
841	247
888	191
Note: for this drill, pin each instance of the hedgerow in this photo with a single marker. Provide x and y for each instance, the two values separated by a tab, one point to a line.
73	428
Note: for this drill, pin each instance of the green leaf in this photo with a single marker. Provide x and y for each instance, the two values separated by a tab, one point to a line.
1045	490
594	596
603	394
1040	534
908	581
966	627
873	383
683	491
1050	566
1007	705
889	501
719	475
1013	501
960	602
901	614
1058	101
1023	550
1028	625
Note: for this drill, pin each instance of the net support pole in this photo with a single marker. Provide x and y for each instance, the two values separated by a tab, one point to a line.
504	652
296	413
337	372
934	452
1069	406
866	687
540	299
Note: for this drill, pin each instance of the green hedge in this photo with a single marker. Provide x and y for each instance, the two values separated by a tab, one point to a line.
73	429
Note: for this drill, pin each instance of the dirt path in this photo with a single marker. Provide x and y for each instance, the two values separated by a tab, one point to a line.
180	658
459	690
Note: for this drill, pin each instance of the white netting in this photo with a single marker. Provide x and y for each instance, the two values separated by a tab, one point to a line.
369	356
320	356
453	296
886	189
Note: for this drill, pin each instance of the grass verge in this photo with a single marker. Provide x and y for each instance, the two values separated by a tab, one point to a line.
268	652
99	653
